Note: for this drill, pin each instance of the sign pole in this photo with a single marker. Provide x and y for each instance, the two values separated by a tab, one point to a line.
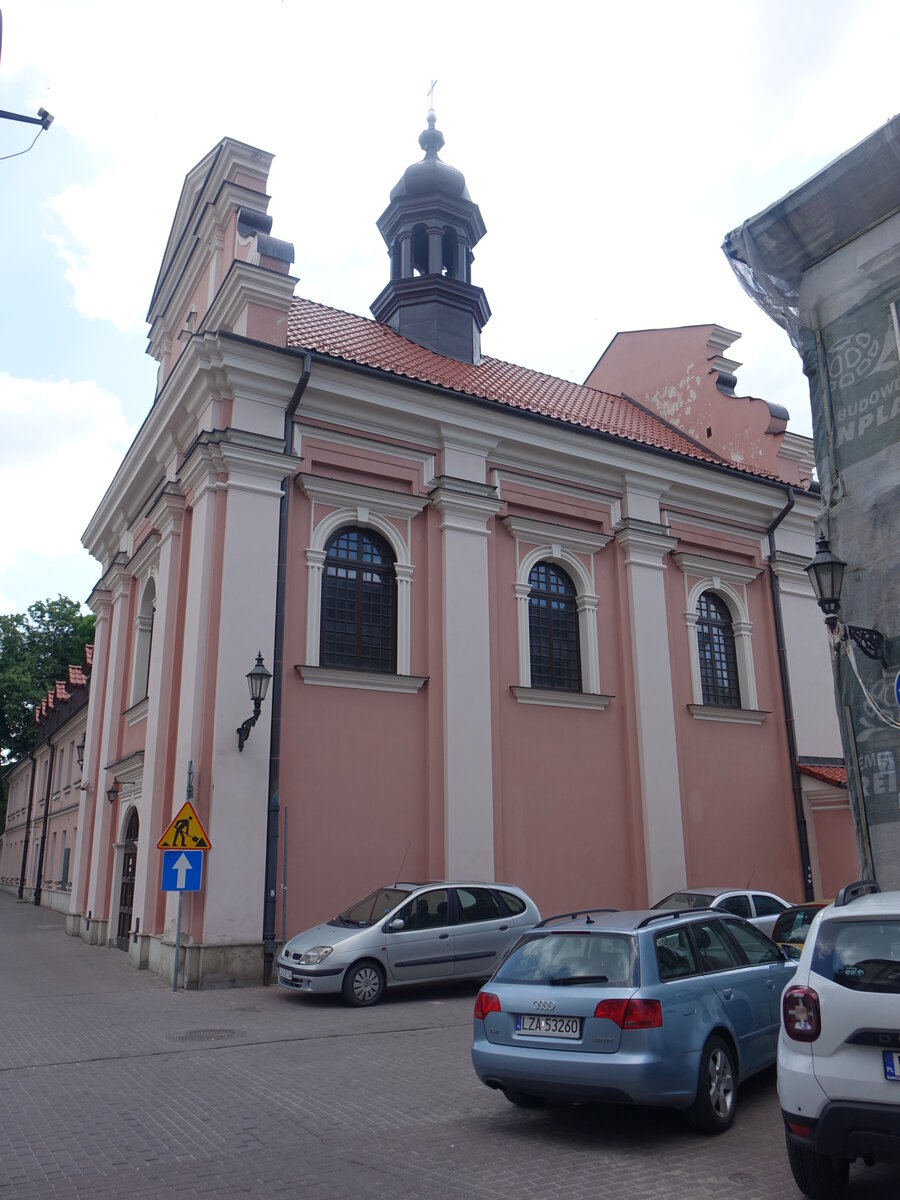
177	942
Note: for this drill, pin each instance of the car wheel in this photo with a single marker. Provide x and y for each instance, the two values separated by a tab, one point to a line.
817	1175
523	1099
716	1100
363	984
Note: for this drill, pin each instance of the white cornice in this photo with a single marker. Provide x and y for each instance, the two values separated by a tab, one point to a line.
544	533
342	494
702	566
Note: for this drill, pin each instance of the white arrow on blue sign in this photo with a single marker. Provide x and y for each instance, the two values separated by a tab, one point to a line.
182	870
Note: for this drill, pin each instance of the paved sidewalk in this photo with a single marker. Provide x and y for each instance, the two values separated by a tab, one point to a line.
112	1085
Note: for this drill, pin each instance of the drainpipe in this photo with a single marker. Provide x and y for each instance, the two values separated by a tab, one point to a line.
790	730
44	822
27	827
269	899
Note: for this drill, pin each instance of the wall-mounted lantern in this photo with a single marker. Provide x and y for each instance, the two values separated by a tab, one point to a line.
258	681
826	574
79	751
112	793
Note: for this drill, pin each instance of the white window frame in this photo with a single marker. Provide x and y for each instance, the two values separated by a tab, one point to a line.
729	582
368	508
562	546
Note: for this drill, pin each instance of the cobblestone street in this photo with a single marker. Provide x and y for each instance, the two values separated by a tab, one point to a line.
113	1085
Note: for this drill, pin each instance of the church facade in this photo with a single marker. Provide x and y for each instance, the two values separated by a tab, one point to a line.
517	628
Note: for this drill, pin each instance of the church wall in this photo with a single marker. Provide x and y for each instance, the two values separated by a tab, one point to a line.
735	779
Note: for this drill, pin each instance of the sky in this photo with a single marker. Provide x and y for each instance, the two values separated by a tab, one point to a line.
609	147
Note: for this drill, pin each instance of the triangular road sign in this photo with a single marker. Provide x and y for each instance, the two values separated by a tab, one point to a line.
185	832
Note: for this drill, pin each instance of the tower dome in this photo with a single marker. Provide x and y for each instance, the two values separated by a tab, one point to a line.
430	227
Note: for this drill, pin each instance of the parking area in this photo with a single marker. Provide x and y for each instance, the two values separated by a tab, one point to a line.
113	1085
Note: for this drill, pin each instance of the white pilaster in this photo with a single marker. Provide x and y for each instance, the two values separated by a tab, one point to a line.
645	545
466	509
106	744
155	812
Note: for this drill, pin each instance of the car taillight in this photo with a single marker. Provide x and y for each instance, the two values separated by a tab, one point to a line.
631	1014
486	1002
800	1014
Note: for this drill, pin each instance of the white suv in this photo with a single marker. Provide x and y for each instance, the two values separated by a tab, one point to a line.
839	1045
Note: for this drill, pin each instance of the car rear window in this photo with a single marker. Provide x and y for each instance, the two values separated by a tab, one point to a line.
766	906
601	959
861	955
739	905
515	904
675	954
681	900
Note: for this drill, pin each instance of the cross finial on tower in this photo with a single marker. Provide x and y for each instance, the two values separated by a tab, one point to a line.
430	93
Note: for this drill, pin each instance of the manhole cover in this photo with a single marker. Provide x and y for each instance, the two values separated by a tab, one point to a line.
204	1035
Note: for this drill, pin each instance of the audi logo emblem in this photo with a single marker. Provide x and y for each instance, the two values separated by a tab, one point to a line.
544	1005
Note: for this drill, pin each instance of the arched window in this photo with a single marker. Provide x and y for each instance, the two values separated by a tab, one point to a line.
553	629
359	602
718	661
143	643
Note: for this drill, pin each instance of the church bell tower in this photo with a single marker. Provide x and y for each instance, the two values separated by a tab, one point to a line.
430	227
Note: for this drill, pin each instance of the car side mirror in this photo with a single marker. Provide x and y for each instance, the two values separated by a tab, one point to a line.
397	923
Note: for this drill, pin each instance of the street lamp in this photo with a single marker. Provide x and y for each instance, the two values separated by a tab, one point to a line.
112	793
826	574
79	751
258	681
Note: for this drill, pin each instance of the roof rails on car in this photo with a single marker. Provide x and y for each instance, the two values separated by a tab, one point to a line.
573	916
665	914
853	891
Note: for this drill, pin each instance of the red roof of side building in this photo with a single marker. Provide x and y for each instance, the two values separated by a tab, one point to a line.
345	336
837	776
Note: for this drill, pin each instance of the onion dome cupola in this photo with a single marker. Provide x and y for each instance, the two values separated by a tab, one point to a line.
430	227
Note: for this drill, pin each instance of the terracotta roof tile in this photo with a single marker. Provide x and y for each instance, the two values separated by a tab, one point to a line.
77	677
351	338
833	775
89	654
61	692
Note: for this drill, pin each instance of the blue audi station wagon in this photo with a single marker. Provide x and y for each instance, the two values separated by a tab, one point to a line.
649	1007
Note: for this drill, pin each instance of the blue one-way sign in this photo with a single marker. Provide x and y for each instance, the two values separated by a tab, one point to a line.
182	870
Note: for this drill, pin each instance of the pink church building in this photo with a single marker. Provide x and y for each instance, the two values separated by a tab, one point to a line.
518	628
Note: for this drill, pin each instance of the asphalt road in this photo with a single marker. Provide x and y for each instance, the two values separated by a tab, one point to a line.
114	1086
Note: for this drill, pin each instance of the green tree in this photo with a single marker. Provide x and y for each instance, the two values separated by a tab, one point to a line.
35	649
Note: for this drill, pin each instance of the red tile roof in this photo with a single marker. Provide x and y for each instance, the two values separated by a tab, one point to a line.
76	678
341	335
833	775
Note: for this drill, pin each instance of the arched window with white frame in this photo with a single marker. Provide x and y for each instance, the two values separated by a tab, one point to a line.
143	643
359	602
717	615
553	629
715	646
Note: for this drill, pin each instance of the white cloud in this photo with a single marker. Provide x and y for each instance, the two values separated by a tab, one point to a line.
61	444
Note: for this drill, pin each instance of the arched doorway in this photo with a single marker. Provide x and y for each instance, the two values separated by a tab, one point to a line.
126	887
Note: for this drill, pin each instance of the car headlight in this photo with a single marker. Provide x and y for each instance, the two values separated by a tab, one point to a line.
313	957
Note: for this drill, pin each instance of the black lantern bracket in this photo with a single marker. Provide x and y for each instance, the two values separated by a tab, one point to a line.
258	682
870	641
826	574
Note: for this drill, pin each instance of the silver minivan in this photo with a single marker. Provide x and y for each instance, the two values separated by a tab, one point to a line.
408	933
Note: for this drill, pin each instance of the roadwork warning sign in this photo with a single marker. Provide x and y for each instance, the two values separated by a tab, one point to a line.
185	832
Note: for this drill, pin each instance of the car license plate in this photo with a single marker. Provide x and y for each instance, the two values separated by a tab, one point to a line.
287	976
541	1026
891	1065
